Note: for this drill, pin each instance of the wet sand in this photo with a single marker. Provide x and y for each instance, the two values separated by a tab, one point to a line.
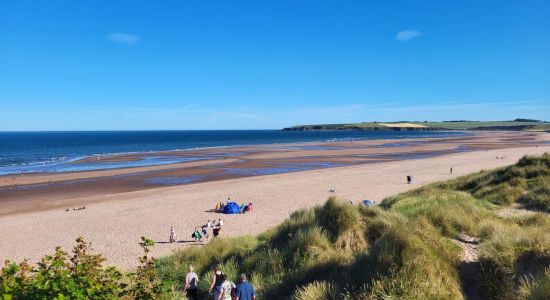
37	192
114	221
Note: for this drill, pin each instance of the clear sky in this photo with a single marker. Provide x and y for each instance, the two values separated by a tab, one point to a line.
107	65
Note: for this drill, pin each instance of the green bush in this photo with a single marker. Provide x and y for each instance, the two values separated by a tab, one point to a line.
81	276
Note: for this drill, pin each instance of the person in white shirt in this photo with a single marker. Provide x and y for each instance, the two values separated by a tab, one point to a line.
226	290
191	284
220	223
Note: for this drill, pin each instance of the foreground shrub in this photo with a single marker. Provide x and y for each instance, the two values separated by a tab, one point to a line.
80	276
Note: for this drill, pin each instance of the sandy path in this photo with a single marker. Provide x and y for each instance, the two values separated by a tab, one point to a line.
114	227
470	275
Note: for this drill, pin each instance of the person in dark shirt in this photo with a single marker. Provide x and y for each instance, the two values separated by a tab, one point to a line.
217	280
244	290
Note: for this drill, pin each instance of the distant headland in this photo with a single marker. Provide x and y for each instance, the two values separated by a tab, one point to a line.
517	124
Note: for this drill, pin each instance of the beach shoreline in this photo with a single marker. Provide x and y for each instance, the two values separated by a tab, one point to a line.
114	222
45	191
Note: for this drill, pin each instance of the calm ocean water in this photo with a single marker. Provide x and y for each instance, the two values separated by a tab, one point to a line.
25	152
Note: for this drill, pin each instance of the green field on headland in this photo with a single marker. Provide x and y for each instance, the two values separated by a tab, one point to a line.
484	235
518	124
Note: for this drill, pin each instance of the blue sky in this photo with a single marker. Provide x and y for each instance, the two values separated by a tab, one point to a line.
108	65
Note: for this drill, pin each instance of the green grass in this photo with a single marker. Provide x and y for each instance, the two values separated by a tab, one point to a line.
451	125
527	182
401	249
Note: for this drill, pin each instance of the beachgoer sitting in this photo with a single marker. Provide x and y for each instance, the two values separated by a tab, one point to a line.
249	207
241	209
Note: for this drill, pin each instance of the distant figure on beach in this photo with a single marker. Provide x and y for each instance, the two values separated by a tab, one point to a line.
204	232
208	224
173	237
226	289
191	284
244	290
217	280
220	223
216	231
451	170
409	179
196	235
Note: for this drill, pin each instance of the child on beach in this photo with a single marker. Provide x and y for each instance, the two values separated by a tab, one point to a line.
204	232
173	237
196	235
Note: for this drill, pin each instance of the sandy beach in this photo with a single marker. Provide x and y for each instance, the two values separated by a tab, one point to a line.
46	191
115	222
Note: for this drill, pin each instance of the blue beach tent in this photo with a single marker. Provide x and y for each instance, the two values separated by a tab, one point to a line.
231	208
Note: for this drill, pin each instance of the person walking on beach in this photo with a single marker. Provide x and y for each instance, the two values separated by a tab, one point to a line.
409	179
226	289
220	223
204	231
216	231
197	235
216	286
191	284
173	236
244	290
209	224
451	170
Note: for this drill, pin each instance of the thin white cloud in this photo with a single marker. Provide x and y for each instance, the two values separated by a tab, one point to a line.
124	38
406	35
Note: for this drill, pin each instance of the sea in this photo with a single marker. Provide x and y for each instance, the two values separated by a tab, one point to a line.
50	152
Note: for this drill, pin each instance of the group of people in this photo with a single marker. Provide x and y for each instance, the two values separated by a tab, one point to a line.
220	207
203	233
221	287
